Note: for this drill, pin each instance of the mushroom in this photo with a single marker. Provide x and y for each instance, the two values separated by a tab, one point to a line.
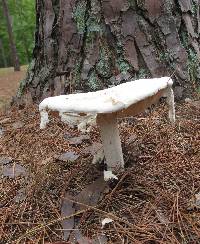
124	100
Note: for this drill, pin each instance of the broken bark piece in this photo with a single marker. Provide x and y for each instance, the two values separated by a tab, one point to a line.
127	99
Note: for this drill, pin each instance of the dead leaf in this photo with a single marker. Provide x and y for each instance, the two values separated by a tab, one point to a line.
67	210
91	194
68	156
100	239
14	170
77	140
82	239
5	160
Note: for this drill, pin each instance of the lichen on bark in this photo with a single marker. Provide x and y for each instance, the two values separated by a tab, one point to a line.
79	15
104	63
94	82
25	82
92	44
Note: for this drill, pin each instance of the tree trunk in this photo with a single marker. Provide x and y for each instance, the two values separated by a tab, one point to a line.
4	61
91	44
11	38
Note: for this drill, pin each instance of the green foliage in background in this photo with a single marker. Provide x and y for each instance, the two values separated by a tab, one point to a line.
22	13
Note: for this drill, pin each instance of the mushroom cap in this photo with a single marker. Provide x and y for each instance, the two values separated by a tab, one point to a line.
108	100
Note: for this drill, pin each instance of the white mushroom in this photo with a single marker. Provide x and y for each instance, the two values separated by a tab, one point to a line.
127	99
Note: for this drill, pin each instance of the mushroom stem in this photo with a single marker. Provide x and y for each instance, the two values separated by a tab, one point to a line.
170	101
111	141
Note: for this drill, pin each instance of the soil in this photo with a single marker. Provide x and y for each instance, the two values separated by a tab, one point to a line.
9	83
155	200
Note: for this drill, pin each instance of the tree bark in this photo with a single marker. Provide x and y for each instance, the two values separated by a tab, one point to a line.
4	61
91	44
13	49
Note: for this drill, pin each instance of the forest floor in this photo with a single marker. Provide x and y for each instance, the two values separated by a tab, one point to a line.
9	82
52	193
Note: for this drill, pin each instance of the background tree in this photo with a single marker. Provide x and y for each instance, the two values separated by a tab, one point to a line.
13	49
3	57
22	13
92	44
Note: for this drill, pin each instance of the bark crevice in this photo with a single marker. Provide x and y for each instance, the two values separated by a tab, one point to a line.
91	44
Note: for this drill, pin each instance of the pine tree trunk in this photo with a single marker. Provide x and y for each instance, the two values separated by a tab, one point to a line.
91	44
11	38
